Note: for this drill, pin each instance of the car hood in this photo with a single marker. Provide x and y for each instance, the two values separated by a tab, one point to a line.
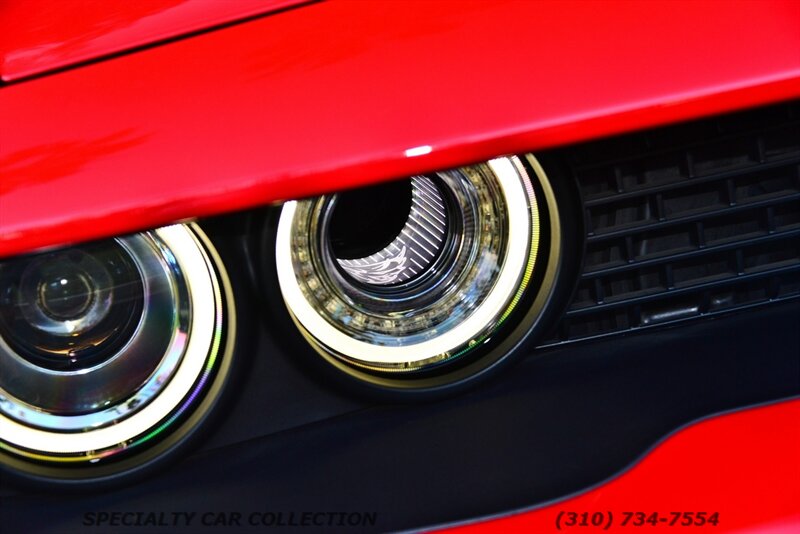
40	35
288	105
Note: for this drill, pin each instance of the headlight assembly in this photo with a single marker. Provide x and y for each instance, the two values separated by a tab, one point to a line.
420	283
111	352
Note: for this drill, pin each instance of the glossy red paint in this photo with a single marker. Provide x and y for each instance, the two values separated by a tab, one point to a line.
334	94
42	35
744	465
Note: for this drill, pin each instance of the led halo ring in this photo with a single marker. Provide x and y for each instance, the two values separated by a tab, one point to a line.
170	414
519	259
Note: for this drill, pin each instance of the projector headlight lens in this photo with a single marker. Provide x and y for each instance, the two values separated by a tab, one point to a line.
105	348
406	277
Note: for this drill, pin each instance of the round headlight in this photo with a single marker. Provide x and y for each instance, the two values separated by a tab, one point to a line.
107	349
398	282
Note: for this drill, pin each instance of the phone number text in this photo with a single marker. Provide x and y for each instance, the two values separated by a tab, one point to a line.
605	520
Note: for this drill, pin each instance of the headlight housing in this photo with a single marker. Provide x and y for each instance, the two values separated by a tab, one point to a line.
414	302
112	352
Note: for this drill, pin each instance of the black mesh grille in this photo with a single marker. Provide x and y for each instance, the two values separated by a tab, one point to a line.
687	221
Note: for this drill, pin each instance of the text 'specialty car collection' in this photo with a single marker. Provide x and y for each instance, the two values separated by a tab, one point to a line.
399	265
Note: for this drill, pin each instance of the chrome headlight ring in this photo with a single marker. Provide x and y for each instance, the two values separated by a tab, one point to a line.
486	262
142	398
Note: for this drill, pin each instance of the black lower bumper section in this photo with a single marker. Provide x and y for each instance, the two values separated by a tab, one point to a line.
548	427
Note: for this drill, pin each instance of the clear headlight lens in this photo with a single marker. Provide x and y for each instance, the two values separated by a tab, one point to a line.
106	347
407	276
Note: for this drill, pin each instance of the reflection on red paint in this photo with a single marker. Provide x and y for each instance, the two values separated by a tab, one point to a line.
60	159
40	35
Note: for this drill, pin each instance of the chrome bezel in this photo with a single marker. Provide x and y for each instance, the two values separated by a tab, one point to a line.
135	372
203	336
516	268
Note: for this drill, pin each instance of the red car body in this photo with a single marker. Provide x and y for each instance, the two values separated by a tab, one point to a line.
142	116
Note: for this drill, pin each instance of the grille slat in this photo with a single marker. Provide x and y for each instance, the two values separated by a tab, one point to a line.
634	227
687	221
735	173
627	301
592	272
778	127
